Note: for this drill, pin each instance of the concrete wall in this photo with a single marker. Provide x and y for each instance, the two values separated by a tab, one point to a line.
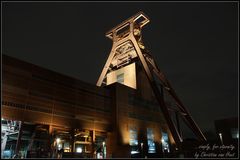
129	72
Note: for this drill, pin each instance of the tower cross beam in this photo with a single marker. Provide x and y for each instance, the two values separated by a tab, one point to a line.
125	23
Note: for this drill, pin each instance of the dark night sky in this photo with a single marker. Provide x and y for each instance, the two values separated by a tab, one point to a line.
194	44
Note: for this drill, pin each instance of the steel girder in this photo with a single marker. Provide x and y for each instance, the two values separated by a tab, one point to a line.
151	69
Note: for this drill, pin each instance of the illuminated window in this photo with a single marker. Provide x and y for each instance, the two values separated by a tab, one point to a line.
165	144
120	78
151	143
101	149
79	150
235	133
133	140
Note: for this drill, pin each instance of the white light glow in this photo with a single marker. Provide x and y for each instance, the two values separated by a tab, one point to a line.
163	141
134	152
221	137
58	140
79	150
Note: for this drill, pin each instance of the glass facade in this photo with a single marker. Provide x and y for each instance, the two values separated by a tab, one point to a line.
235	133
150	139
165	143
133	140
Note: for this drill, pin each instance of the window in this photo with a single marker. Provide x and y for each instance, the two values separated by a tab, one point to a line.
120	78
101	148
151	143
133	140
165	145
235	133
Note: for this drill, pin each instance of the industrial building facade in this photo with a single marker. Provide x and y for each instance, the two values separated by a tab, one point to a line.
44	112
127	114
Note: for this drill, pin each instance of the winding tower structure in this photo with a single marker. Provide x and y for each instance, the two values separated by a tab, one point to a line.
127	50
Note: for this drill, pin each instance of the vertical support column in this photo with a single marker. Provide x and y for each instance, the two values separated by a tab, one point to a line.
110	144
93	144
72	141
145	142
50	141
19	138
94	136
142	142
50	130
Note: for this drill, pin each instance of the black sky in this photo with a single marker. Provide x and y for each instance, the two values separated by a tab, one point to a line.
195	44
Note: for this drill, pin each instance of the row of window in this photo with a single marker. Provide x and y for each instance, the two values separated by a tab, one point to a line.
133	141
34	108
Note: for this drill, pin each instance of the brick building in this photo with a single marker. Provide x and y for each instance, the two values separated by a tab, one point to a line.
44	112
